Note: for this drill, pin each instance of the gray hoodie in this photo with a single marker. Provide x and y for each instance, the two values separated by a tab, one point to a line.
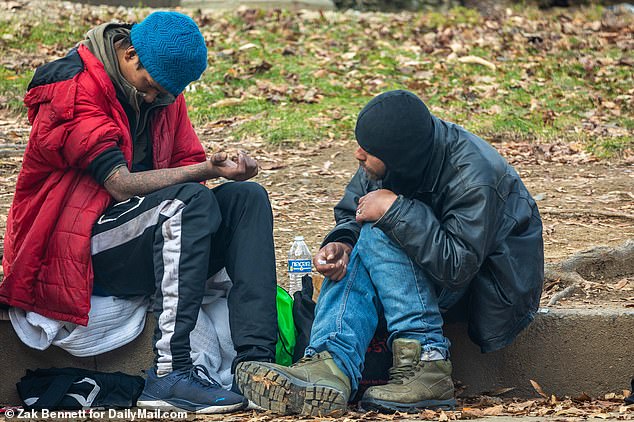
101	42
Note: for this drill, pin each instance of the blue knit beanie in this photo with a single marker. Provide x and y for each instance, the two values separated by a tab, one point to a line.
171	48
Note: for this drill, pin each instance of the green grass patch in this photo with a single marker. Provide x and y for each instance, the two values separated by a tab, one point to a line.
612	147
12	88
29	37
296	77
456	16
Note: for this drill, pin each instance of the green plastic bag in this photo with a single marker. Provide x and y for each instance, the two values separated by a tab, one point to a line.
287	334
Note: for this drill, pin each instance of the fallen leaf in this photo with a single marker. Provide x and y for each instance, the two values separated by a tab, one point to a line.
477	60
469	413
493	411
427	414
538	388
228	102
571	411
349	55
495	109
583	397
247	46
227	52
12	5
626	408
521	407
621	284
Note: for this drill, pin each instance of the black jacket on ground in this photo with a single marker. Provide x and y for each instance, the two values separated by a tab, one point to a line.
469	221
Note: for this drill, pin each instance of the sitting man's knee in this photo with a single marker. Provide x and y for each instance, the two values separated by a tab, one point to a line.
254	192
368	231
193	188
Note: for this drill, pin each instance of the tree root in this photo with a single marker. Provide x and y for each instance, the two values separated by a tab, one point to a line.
579	211
601	262
567	292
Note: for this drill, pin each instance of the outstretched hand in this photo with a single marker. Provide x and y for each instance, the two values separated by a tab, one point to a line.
332	260
239	168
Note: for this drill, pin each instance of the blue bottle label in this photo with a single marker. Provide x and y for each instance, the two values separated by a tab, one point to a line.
299	265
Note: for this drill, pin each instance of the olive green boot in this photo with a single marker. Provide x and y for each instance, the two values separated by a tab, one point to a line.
413	384
313	386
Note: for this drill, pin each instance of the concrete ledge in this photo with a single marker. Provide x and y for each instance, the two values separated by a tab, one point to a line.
17	358
567	351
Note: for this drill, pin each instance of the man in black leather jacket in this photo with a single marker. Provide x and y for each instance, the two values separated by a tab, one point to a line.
433	215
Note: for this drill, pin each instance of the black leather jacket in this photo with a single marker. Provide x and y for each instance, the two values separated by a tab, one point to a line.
471	222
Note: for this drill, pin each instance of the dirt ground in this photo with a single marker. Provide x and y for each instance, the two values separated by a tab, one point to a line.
584	202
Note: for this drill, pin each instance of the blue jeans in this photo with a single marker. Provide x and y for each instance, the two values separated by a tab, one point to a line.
380	278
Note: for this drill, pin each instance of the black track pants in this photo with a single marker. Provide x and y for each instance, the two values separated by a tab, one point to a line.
168	243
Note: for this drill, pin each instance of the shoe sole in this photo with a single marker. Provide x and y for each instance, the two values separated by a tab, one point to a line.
287	395
392	407
164	405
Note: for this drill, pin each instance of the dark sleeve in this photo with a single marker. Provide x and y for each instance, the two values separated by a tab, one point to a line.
104	164
452	247
347	229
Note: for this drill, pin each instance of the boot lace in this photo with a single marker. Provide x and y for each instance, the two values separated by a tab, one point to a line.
200	374
306	359
402	372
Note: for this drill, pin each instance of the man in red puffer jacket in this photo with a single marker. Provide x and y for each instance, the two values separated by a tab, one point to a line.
108	202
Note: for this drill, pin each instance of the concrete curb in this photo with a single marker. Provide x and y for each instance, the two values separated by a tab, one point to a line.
566	351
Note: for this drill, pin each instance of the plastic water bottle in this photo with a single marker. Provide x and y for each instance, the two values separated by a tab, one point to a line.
299	264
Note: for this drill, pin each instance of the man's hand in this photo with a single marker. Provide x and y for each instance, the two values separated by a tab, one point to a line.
373	205
332	260
237	168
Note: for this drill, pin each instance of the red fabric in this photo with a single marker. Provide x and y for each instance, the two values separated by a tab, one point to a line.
47	263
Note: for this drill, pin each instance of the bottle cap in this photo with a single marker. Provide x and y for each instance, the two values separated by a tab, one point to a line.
299	237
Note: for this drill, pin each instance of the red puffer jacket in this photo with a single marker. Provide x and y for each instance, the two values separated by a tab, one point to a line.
76	116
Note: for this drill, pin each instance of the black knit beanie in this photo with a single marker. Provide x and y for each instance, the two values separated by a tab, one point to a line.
397	128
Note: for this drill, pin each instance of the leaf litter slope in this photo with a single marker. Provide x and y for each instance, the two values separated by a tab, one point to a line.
291	100
551	91
516	73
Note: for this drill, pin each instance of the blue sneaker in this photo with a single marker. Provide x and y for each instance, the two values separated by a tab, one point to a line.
191	390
